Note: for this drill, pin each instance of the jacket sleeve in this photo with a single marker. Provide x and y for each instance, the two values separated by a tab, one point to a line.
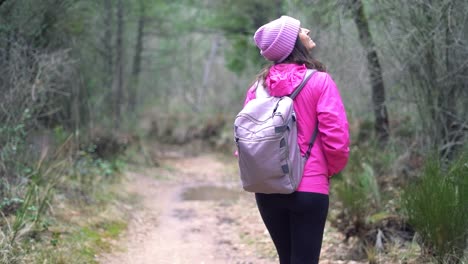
333	125
250	94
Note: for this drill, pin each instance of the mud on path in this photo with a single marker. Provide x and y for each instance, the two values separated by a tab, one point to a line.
192	210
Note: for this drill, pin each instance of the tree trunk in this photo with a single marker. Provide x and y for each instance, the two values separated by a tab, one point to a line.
207	70
279	8
451	131
75	108
375	72
9	40
133	93
118	86
107	42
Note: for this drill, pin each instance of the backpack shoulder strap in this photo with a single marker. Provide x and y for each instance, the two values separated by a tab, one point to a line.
308	74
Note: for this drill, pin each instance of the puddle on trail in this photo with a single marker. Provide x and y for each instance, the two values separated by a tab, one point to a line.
210	193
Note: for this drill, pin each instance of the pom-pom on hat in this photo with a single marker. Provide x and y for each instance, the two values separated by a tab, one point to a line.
276	39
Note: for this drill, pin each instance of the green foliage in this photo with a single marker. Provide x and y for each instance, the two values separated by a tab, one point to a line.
89	175
237	63
437	207
31	216
12	135
24	207
239	20
363	204
15	162
31	210
359	193
380	159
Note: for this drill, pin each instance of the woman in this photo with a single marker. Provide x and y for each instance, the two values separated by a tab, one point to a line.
296	221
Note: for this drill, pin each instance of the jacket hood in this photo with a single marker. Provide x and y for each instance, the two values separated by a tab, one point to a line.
284	78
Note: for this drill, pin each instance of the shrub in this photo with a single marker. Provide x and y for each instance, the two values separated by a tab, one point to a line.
436	207
364	197
359	196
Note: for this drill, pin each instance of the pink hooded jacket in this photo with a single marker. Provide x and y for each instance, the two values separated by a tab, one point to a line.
320	99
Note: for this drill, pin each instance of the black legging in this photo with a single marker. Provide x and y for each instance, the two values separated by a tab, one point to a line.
295	222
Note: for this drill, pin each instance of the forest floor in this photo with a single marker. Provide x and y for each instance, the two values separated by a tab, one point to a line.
191	209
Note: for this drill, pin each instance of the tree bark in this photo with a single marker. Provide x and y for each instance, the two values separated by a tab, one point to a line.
133	93
207	70
118	87
375	72
107	42
451	131
9	40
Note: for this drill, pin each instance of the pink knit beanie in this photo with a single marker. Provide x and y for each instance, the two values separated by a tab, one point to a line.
277	38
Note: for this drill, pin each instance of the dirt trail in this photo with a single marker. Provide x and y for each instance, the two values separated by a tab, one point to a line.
193	211
170	229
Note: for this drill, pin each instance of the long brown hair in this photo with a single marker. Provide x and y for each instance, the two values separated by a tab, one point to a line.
299	55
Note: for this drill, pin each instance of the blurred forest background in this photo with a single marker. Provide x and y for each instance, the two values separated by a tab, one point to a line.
83	81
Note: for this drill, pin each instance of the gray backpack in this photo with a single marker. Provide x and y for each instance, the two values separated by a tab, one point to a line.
265	131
